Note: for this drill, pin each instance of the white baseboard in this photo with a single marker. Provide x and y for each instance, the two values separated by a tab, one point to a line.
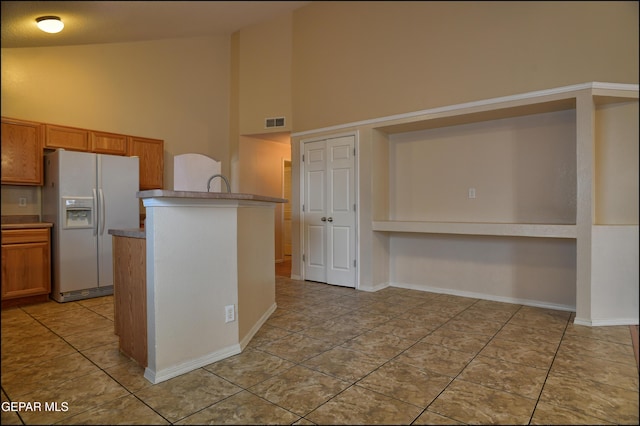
607	322
483	296
245	341
185	367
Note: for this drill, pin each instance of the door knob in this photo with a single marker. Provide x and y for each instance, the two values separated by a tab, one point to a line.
330	219
324	219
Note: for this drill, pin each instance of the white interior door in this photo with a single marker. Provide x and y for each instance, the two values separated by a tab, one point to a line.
329	211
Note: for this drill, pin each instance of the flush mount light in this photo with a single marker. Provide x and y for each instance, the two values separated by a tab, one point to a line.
50	24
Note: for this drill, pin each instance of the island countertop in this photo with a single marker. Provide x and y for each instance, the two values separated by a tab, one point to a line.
163	193
31	225
130	233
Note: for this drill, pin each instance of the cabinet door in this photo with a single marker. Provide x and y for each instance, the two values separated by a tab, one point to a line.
108	143
25	269
151	155
69	138
21	152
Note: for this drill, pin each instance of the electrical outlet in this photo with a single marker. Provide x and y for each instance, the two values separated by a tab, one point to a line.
472	193
22	202
229	313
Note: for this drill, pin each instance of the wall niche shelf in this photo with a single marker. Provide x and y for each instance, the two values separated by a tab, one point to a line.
487	229
554	175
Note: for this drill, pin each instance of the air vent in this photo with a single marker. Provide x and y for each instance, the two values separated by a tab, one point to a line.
273	122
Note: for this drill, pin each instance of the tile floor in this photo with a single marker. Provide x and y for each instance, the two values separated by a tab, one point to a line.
332	355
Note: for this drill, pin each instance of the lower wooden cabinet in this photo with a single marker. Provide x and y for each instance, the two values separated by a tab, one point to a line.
26	266
130	296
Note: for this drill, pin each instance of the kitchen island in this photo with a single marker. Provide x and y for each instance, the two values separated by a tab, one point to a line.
210	276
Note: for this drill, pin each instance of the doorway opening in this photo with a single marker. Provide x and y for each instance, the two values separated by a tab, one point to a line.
283	268
286	210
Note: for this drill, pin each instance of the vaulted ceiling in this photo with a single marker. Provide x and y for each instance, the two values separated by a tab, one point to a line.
93	22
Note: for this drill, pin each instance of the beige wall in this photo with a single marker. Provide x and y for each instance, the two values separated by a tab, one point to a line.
264	75
261	88
362	60
522	170
520	270
175	90
616	167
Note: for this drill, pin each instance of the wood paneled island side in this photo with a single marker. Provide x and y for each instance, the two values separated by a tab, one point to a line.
130	292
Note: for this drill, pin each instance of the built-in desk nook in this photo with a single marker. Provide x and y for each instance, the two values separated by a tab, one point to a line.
530	198
209	277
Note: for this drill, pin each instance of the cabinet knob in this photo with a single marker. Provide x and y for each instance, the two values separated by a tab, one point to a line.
324	219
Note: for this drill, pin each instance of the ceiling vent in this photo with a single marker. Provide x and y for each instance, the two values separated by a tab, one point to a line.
273	122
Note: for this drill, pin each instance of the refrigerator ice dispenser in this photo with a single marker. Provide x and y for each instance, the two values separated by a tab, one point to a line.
78	212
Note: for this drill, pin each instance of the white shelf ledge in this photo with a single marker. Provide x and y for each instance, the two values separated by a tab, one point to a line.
468	228
548	100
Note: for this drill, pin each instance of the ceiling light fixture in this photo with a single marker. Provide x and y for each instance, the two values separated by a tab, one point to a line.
50	24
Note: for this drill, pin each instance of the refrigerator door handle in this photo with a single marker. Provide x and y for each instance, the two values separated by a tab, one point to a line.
95	209
103	219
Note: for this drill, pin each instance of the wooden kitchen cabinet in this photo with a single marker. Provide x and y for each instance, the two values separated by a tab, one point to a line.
22	152
130	296
108	143
76	139
65	137
151	154
26	266
24	143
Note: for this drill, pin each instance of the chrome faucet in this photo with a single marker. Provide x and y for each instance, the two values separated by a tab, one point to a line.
226	181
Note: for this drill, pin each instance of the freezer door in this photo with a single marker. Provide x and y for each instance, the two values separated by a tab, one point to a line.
118	206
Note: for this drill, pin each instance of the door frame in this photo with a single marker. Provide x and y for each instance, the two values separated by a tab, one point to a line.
356	144
288	197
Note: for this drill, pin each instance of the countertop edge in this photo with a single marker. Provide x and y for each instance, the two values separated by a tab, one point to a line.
37	225
163	193
130	233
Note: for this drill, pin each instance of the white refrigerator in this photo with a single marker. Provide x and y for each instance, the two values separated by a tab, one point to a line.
85	195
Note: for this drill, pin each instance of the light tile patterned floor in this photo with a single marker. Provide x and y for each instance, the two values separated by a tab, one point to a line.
332	355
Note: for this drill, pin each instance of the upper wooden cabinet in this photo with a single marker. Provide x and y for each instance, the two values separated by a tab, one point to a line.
24	142
76	139
151	155
108	143
70	138
21	152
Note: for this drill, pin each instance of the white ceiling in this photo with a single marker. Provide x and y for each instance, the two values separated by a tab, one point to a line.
93	22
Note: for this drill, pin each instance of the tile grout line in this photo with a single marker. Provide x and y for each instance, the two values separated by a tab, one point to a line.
91	361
